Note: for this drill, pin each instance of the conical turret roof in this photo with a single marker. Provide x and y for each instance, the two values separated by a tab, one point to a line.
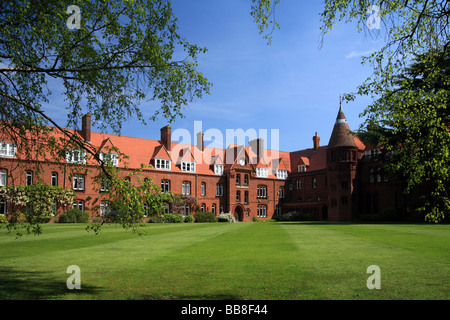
341	136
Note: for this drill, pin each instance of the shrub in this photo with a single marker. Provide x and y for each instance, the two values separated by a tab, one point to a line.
255	219
156	219
3	219
294	216
73	215
189	219
173	218
226	217
205	217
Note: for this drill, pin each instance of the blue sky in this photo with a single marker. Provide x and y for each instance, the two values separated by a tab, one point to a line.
291	85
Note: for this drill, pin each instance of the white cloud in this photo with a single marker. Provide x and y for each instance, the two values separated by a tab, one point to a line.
357	54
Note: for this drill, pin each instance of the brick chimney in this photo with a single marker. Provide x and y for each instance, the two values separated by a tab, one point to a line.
316	140
166	137
257	147
86	127
200	141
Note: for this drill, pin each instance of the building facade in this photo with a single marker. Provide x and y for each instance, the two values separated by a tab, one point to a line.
338	182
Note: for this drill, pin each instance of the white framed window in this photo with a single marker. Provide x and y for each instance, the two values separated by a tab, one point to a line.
78	205
218	169
203	207
8	149
314	182
213	208
262	211
281	192
298	184
54	179
219	190
110	158
261	192
3	177
105	184
188	166
186	188
203	189
162	164
282	174
187	211
301	168
29	178
221	208
262	172
165	185
104	208
76	156
78	182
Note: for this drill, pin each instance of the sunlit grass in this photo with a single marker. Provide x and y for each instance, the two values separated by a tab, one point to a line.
265	260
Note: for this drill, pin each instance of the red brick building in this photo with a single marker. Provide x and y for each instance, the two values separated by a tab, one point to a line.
337	182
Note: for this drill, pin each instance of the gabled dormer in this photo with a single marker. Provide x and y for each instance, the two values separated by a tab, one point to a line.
262	169
303	164
282	171
161	159
217	165
107	154
186	160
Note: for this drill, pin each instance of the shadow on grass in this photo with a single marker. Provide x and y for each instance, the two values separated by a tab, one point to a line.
200	297
18	284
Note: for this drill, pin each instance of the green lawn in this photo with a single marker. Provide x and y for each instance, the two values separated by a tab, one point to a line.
264	260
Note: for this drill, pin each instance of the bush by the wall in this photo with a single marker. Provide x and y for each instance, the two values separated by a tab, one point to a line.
226	217
205	217
189	219
156	219
173	218
73	215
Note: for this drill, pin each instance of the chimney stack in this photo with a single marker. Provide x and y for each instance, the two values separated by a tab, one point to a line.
316	140
86	127
166	137
257	147
200	141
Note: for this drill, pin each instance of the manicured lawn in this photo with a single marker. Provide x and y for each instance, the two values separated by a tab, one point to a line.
265	260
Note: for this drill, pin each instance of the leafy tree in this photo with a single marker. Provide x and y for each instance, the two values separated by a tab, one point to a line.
123	53
410	109
414	128
410	116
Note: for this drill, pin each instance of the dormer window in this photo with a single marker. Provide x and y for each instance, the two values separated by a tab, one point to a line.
162	164
8	149
110	158
302	168
262	172
218	169
76	156
188	166
282	174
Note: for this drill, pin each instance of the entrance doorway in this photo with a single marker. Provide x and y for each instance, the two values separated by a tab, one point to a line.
238	213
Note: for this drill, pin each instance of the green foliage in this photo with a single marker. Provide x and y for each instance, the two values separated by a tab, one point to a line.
201	217
410	89
226	217
189	219
3	219
255	219
173	218
37	200
263	13
156	219
73	215
294	216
